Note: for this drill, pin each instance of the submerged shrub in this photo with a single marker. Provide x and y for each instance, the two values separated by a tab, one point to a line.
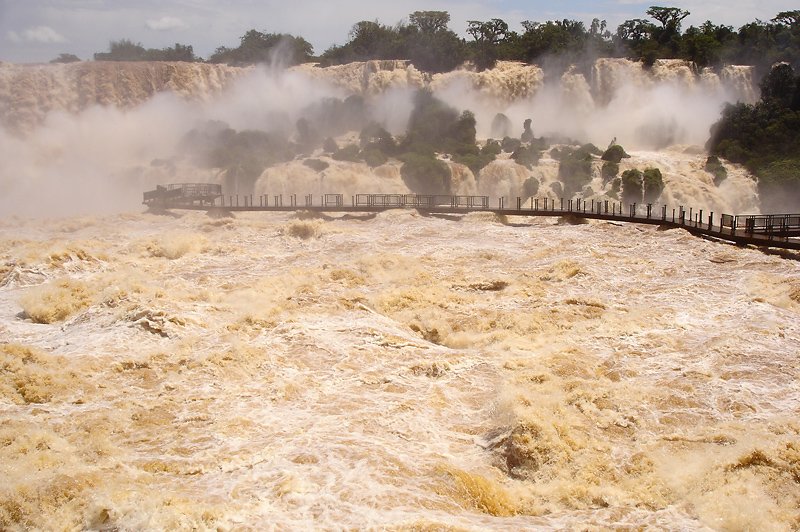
510	145
475	162
609	171
527	156
330	145
590	149
374	157
501	126
652	185
714	167
316	164
575	171
348	153
492	147
631	184
615	153
425	174
530	187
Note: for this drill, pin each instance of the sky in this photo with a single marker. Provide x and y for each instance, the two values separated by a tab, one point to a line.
36	31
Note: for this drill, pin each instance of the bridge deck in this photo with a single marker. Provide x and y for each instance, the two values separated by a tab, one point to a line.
777	231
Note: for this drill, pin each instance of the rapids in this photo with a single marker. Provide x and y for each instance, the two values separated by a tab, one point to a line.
395	371
389	371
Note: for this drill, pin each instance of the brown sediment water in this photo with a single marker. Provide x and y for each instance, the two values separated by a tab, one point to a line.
399	371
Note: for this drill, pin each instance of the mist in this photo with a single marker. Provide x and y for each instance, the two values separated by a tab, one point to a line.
66	154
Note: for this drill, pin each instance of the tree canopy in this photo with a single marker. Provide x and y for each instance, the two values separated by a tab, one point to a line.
427	41
127	50
258	47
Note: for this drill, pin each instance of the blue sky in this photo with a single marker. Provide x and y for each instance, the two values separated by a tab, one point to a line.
38	30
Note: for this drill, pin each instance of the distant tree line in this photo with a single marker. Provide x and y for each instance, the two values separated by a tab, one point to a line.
257	47
126	50
570	41
427	41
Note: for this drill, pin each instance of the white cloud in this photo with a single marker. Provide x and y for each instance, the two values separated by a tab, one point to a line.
40	34
165	23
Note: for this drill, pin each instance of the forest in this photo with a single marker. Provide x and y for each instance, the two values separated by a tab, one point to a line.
428	42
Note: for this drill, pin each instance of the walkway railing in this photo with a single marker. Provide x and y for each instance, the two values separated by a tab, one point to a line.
772	230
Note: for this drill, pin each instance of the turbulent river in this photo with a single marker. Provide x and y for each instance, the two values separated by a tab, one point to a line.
396	371
401	372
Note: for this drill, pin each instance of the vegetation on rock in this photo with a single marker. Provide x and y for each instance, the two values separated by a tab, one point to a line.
615	153
609	171
652	185
257	47
126	50
765	138
715	167
631	186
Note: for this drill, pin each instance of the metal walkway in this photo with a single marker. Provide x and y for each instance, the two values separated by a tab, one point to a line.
765	230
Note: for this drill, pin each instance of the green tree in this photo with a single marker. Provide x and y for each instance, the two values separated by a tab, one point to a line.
430	22
669	17
530	187
575	171
631	184
527	156
425	174
609	171
487	37
615	153
706	45
429	44
122	50
567	38
715	167
635	38
430	123
258	47
779	85
349	153
668	36
789	18
652	185
373	135
599	39
501	126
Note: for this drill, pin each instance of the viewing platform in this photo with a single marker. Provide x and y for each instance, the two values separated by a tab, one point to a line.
764	230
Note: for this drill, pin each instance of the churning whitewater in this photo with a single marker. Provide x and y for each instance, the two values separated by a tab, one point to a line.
392	371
